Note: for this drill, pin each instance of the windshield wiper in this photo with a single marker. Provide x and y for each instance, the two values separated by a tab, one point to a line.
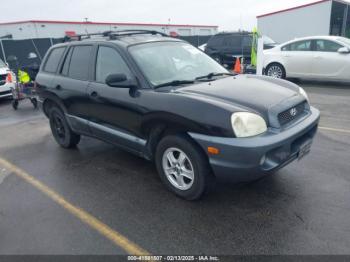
175	83
211	75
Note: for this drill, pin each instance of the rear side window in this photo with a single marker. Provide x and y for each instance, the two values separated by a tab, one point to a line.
298	46
109	62
215	41
233	41
65	67
53	60
79	62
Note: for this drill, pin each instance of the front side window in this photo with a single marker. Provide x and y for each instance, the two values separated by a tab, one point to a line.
53	60
327	46
298	46
79	62
168	61
109	62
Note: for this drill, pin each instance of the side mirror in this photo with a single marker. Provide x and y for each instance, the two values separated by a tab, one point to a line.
120	80
344	50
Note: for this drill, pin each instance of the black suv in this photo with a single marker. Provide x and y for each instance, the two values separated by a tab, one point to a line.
225	47
167	101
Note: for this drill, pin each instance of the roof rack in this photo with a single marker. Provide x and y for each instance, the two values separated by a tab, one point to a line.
113	34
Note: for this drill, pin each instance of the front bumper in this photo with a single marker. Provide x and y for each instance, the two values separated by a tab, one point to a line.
246	159
5	90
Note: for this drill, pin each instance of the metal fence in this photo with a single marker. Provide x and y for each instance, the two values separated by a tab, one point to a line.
22	48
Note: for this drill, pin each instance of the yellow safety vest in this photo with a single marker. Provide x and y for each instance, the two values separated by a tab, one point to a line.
24	78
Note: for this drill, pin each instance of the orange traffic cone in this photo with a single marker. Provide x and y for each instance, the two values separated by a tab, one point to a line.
237	68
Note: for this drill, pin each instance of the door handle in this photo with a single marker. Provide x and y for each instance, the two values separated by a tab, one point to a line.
58	87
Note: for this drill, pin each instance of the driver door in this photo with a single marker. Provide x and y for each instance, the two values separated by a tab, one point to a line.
113	111
328	63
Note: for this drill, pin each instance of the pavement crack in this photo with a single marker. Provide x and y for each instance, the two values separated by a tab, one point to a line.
299	217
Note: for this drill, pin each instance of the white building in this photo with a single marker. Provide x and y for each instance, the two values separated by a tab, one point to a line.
58	29
325	17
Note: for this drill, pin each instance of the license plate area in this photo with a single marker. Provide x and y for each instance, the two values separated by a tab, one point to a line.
304	148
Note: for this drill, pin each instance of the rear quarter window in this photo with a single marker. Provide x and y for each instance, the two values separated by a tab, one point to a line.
54	59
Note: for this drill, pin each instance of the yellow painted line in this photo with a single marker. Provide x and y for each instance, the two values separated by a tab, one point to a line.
117	238
335	129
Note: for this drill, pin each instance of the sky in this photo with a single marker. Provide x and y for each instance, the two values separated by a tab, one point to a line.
227	14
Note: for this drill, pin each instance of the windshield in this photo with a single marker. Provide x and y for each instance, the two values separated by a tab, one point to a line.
164	62
268	41
2	64
344	40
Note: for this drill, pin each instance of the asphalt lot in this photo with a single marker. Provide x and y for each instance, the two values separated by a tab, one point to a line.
302	209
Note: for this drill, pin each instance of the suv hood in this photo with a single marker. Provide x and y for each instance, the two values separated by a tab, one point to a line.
248	92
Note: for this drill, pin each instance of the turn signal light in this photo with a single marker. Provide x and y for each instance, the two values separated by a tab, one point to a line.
213	150
9	78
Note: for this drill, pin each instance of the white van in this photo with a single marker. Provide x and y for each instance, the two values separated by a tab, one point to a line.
7	81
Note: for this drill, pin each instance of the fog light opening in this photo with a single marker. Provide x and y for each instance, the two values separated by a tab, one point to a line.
262	160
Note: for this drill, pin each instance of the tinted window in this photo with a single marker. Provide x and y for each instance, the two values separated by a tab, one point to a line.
247	41
66	62
232	41
298	46
215	41
109	62
327	46
53	60
79	62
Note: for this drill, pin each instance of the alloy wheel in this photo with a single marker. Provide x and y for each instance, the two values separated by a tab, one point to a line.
178	168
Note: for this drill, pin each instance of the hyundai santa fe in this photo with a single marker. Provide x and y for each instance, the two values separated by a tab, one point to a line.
166	101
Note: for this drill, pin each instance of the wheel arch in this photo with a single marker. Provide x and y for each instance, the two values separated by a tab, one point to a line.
158	128
275	63
52	100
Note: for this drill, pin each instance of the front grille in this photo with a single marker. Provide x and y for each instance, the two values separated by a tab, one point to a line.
3	79
292	113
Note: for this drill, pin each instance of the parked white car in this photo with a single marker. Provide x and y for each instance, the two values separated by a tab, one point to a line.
7	80
319	58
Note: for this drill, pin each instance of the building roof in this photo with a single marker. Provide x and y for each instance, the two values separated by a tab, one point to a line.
299	7
102	23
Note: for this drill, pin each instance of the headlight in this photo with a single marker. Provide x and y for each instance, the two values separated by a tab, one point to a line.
303	93
246	124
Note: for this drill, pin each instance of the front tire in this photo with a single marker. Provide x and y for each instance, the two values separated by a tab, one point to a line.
182	167
276	70
61	131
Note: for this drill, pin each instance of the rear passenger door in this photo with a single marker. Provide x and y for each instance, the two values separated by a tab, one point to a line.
114	112
71	85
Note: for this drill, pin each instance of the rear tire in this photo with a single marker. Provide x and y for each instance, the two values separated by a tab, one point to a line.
183	167
276	70
61	131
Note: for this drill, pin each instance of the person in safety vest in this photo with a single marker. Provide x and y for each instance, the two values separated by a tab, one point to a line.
23	77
